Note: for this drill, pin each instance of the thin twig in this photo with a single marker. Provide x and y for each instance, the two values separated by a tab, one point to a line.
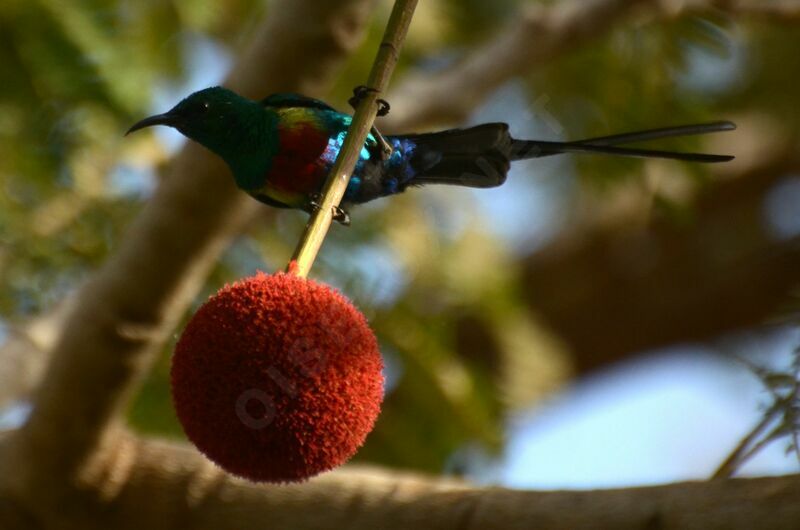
777	432
741	452
364	117
782	403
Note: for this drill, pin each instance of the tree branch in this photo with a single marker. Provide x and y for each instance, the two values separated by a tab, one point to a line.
159	485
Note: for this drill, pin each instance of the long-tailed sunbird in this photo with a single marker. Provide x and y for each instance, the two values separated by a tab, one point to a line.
280	149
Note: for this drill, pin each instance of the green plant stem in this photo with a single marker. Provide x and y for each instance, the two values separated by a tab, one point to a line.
336	183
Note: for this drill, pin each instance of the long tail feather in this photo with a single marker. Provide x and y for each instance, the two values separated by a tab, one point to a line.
522	149
664	132
537	149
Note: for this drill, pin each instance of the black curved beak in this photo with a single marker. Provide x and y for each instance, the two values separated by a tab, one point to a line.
168	118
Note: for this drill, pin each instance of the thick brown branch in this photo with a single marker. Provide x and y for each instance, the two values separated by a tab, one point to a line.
164	486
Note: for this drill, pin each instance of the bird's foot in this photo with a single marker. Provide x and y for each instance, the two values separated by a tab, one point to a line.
384	146
340	215
383	107
359	93
386	149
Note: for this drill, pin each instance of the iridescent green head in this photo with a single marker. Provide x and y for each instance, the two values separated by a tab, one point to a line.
236	128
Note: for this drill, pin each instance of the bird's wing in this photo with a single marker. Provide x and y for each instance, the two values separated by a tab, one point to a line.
288	99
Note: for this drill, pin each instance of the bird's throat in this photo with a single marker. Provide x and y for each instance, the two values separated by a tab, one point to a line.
249	152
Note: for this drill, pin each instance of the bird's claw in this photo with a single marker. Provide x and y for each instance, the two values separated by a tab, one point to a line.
340	215
383	107
359	93
314	202
385	149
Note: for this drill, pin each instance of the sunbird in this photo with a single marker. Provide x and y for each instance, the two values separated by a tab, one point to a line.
280	149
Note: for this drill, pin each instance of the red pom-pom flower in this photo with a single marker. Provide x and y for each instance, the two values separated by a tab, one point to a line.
277	378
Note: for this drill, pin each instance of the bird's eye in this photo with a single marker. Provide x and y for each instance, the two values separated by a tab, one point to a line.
204	106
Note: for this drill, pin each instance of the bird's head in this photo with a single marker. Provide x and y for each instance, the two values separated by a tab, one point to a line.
215	117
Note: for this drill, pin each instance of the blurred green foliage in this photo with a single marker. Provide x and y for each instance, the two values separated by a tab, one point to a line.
462	349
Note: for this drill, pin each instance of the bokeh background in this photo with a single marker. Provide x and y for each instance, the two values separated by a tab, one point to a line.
578	327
